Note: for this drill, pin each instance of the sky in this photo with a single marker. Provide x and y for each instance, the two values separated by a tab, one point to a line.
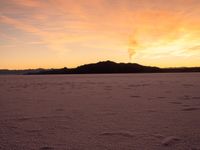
59	33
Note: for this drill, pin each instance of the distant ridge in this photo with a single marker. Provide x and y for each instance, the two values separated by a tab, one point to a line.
103	67
19	72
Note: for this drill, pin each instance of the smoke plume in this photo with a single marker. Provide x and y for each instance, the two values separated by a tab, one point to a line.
133	44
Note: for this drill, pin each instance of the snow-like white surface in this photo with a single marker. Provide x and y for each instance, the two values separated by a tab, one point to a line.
100	112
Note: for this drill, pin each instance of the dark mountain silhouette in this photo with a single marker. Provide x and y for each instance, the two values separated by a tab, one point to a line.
103	67
112	67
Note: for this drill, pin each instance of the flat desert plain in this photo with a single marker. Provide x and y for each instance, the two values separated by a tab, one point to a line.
100	112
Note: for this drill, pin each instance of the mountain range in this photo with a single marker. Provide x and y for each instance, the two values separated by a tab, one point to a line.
102	67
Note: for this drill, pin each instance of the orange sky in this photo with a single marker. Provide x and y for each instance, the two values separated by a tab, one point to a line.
58	33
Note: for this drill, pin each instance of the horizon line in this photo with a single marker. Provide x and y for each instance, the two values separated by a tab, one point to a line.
99	62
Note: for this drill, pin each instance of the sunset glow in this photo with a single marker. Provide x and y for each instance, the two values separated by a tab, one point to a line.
58	33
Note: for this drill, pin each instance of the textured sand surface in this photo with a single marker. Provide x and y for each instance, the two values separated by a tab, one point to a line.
100	112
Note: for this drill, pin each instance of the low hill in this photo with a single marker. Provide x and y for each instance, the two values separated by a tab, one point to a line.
112	67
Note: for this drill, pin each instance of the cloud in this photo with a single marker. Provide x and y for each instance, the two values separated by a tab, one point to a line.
29	3
194	48
54	40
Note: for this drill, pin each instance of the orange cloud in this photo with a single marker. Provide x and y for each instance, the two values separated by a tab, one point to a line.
28	3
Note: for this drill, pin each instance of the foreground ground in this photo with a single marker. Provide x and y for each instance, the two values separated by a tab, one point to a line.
100	112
